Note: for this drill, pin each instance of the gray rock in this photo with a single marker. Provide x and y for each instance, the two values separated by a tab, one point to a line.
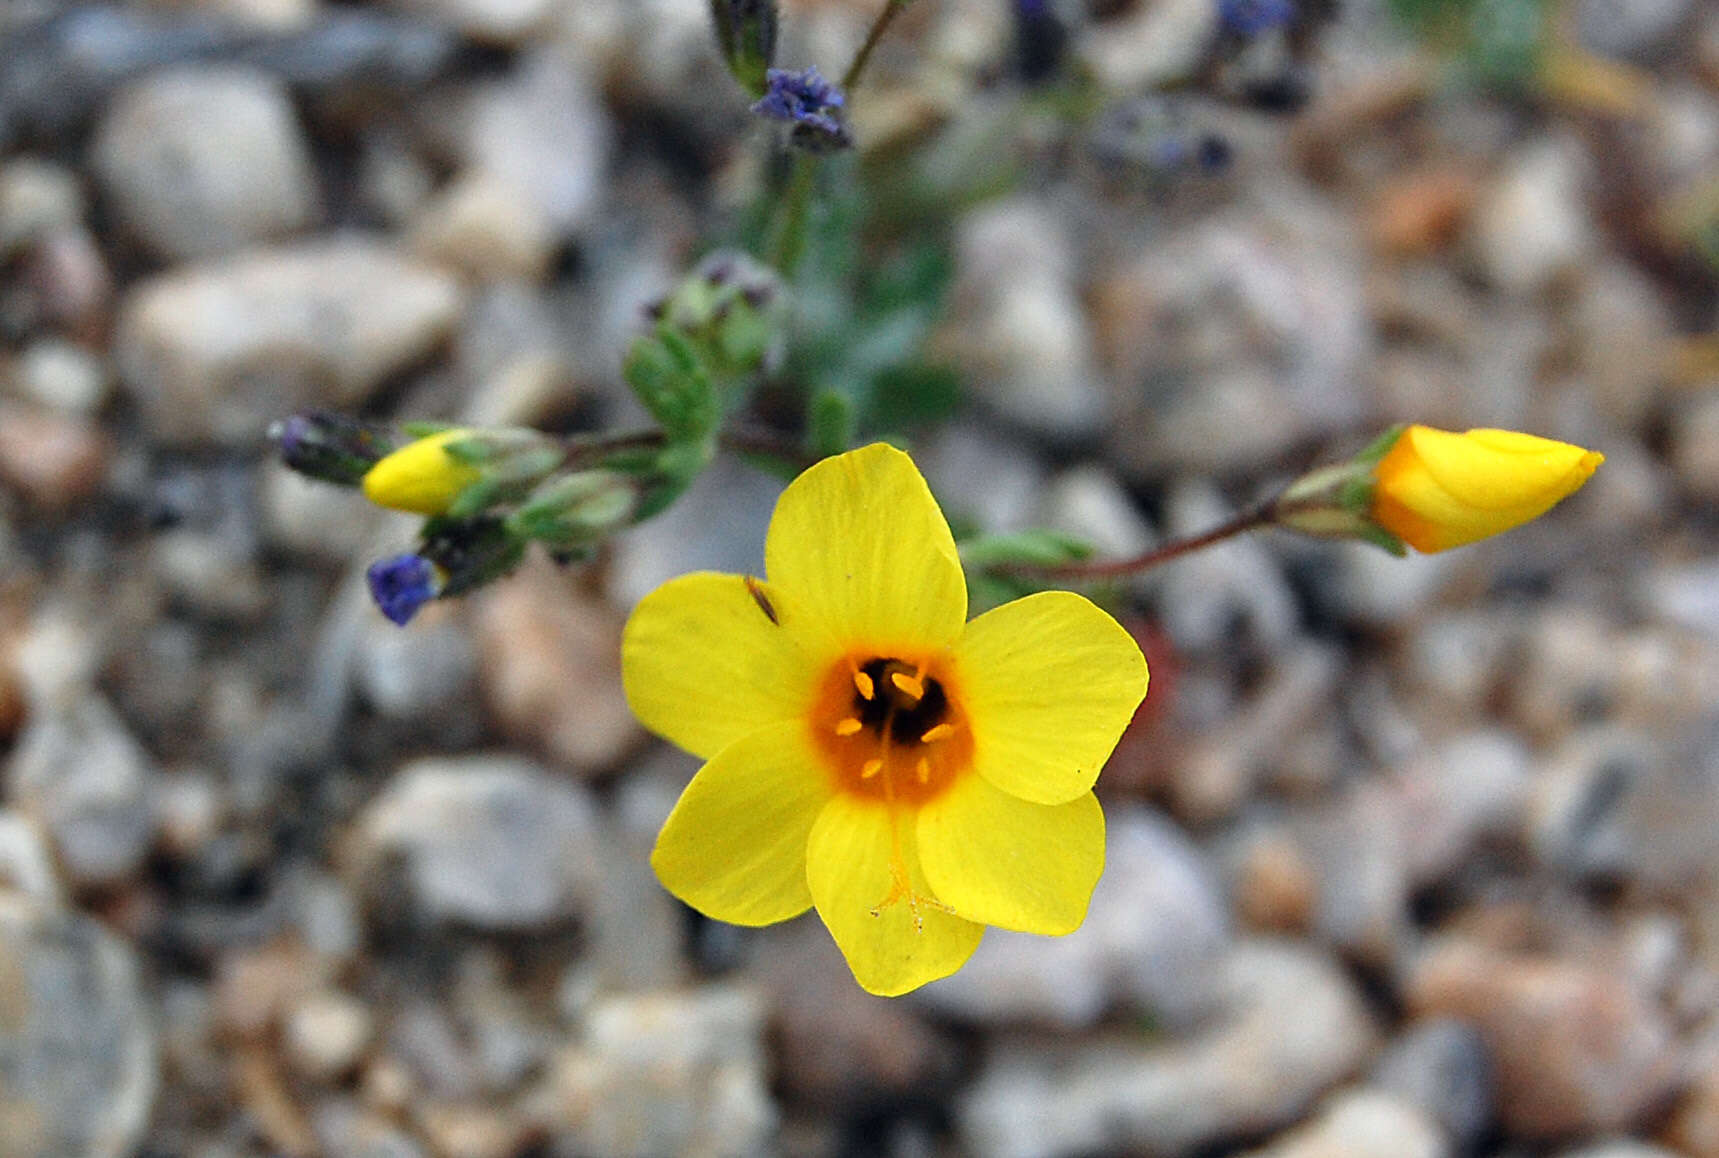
1362	1123
1293	1027
64	377
543	134
1686	595
1154	941
1620	1148
1233	586
205	161
37	198
1462	790
984	475
78	1071
718	525
1453	661
1695	448
1532	225
25	865
416	674
1356	847
493	842
495	21
1090	503
485	229
1638	30
1576	1051
1579	813
1150	44
663	1075
1019	330
85	780
1441	1067
218	351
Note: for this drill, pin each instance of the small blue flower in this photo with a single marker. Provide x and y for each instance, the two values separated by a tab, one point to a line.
808	102
1252	17
403	584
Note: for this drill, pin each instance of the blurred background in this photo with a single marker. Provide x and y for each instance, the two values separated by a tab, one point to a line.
1408	858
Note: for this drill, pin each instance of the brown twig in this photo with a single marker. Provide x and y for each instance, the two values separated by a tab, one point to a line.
1093	572
891	9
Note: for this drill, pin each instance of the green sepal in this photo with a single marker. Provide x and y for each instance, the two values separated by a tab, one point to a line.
829	423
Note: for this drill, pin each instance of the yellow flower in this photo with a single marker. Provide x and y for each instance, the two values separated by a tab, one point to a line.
421	477
870	753
1438	490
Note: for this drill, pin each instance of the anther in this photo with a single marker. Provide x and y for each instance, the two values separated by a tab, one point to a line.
924	770
909	686
871	768
848	726
937	732
863	682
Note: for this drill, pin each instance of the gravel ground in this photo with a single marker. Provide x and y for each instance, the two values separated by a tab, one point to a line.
1406	858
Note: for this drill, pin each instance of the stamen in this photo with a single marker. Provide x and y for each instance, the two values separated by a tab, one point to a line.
871	768
924	770
936	733
909	686
848	726
863	682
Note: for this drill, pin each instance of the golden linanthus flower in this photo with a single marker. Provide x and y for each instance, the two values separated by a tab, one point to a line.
870	753
421	477
1438	490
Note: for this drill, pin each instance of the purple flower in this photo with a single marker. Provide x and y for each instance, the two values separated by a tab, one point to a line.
1251	17
807	101
403	584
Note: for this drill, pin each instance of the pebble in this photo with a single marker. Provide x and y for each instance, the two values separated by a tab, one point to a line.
64	377
674	1073
1441	1067
549	656
427	674
484	229
55	461
492	842
1150	45
1293	1027
1273	882
326	1035
541	133
78	1070
984	475
502	22
1024	339
1531	225
1575	1050
1090	503
1362	1123
204	161
26	867
1644	30
38	199
835	1044
1460	791
81	775
1695	448
216	351
1622	1148
1154	942
1578	816
1221	767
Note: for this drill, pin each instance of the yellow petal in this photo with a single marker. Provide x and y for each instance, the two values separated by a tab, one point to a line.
856	862
734	848
704	664
420	477
1003	861
1048	683
858	542
1438	490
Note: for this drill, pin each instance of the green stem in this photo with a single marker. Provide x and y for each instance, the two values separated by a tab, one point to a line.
1248	520
891	9
790	244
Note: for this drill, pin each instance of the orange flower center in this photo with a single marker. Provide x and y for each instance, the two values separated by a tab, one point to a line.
892	728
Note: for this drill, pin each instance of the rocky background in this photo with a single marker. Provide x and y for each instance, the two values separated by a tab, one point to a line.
1408	859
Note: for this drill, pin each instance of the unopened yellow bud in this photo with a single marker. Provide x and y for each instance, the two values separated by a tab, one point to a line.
1438	490
421	477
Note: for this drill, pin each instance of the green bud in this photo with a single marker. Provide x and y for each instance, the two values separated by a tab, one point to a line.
731	311
509	465
746	34
470	553
576	508
331	447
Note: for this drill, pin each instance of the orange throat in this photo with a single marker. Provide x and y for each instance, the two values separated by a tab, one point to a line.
892	728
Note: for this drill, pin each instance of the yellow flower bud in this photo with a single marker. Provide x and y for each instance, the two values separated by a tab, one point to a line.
421	477
1438	490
